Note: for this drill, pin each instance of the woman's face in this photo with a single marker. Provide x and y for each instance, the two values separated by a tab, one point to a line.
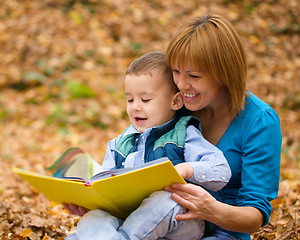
199	90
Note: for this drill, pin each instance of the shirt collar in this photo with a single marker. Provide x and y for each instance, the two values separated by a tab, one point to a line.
131	129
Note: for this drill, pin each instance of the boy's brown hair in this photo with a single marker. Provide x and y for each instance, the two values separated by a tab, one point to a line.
152	61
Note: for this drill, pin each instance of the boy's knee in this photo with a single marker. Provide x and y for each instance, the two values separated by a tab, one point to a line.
161	195
94	214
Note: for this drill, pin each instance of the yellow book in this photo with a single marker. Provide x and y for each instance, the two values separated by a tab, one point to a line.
118	192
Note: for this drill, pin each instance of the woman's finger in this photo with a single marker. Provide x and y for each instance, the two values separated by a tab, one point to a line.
74	209
82	211
184	202
186	216
189	188
66	206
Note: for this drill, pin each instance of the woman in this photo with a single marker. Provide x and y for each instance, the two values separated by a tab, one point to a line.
209	67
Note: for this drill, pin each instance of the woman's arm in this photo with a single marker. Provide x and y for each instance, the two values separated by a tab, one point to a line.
202	205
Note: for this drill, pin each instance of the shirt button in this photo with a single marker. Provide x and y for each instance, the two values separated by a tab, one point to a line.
203	177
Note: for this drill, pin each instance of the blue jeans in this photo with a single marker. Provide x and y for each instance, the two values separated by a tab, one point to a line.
154	219
218	235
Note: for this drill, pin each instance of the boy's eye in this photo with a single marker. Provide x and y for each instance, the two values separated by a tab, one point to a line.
146	100
129	100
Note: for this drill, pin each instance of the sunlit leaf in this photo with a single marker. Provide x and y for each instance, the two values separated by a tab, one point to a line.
80	90
26	232
76	17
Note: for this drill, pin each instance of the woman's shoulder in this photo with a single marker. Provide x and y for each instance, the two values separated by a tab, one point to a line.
256	115
254	101
256	108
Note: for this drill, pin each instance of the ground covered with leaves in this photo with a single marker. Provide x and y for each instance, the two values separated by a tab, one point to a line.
61	79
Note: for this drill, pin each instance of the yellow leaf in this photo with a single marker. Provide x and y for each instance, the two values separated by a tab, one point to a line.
50	212
270	236
26	232
254	39
76	17
45	237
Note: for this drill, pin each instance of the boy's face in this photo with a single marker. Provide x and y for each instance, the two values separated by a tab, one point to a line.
150	100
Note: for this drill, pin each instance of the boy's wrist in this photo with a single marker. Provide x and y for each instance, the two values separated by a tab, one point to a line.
185	170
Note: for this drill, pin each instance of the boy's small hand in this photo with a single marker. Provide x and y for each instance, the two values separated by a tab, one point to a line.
74	209
185	170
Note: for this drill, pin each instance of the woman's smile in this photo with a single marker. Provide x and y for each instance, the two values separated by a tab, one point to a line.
189	95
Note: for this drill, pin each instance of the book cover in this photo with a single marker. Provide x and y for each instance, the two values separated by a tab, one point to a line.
118	192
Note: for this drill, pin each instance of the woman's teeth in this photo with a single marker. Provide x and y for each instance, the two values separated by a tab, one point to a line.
188	95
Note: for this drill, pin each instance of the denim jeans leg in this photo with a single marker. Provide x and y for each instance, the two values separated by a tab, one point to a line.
99	225
72	237
155	218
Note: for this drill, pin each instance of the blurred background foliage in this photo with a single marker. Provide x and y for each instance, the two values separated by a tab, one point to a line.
62	68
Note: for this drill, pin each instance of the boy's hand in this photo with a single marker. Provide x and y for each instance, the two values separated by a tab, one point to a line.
74	209
185	170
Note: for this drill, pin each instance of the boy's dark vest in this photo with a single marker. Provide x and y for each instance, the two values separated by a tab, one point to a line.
167	141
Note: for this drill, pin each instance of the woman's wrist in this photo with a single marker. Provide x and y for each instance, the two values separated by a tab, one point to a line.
237	219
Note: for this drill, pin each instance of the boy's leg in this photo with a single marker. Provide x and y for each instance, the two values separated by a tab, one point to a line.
155	218
72	237
98	225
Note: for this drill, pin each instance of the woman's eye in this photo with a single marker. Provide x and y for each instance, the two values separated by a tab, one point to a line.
146	100
129	100
194	76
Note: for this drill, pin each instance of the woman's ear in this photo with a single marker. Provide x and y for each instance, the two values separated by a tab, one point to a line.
177	101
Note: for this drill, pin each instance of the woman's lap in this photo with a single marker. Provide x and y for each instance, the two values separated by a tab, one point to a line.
218	235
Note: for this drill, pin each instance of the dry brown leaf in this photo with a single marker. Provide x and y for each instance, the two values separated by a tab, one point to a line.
44	44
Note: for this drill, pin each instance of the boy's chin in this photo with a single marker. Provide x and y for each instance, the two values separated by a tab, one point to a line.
139	129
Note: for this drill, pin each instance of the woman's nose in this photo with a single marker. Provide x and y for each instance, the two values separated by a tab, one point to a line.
182	83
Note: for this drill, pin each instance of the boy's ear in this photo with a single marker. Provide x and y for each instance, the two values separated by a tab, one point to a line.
177	101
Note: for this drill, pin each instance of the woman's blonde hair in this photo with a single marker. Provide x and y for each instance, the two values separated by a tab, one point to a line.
212	45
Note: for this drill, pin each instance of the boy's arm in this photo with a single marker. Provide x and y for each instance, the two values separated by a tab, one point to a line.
109	159
210	168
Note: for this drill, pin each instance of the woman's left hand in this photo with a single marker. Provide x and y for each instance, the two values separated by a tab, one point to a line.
74	209
200	203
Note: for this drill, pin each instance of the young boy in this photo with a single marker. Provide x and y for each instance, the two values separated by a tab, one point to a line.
152	103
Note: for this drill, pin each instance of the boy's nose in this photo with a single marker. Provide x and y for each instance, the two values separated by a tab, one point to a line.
136	106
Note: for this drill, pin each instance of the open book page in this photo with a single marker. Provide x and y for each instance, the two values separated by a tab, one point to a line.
75	163
115	172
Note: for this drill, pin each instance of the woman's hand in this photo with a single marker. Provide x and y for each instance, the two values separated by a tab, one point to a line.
198	201
74	209
202	205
